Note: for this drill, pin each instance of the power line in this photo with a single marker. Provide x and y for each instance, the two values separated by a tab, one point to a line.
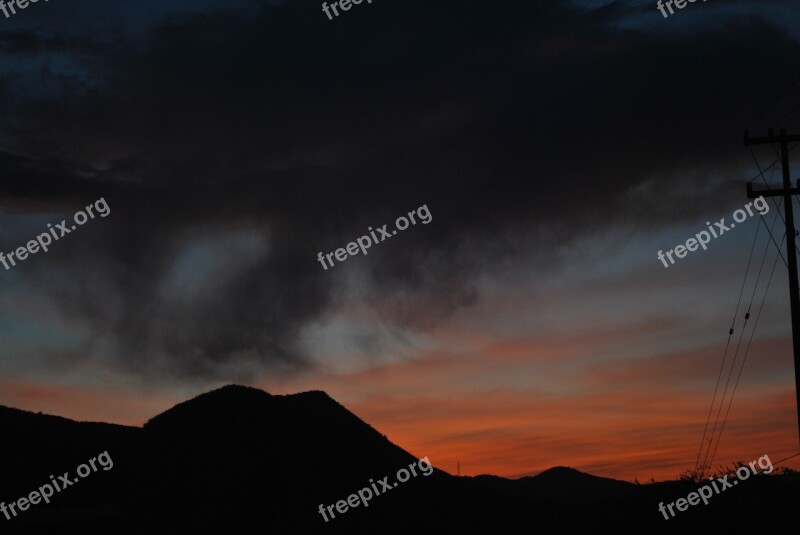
747	316
770	166
776	203
763	113
787	458
780	252
761	174
787	114
727	346
746	353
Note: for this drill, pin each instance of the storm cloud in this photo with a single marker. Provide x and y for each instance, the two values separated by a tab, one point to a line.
234	144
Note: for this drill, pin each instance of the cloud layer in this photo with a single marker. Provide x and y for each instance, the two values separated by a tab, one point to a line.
234	144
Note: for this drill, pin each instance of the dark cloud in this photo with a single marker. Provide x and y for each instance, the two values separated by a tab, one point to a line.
232	149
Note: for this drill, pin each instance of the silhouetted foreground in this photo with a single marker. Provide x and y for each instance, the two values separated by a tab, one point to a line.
238	460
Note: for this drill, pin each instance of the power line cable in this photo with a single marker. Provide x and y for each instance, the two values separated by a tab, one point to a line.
776	203
747	351
763	113
785	115
735	355
727	346
770	166
787	458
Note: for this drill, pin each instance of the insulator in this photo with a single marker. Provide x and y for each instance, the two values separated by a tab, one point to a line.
747	316
731	331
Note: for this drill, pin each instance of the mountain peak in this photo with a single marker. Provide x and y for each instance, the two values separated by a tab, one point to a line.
236	390
243	403
220	403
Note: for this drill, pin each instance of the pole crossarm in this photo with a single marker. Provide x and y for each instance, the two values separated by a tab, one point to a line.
771	138
753	194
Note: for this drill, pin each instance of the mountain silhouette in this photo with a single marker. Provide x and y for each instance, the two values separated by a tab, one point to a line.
239	460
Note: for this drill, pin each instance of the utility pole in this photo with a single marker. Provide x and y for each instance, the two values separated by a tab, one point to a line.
787	191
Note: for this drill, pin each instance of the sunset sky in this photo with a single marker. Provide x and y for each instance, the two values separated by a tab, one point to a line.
558	145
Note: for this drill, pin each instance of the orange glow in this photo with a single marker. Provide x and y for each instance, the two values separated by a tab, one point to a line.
518	407
633	418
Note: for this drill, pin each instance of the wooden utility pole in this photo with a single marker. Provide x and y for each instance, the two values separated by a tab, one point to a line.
786	191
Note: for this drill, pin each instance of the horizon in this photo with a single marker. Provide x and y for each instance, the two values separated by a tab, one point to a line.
228	386
235	385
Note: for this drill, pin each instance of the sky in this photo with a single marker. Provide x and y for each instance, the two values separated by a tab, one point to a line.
558	146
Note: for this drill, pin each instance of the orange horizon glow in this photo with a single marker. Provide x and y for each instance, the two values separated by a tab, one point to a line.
634	418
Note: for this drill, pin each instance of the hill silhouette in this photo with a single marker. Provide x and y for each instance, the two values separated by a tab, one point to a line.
239	460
